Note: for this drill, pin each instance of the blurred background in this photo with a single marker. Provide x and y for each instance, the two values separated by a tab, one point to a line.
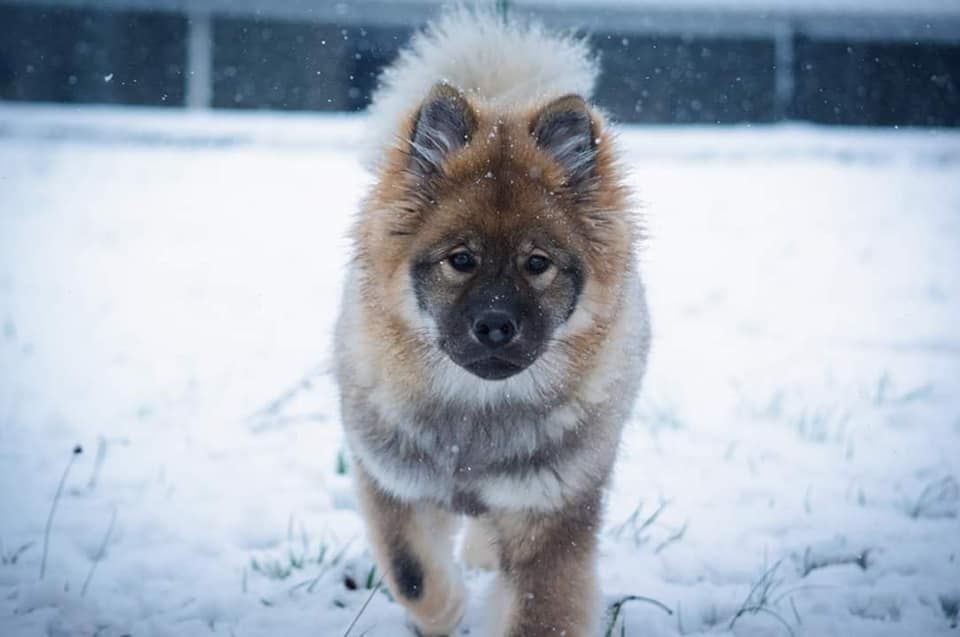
860	62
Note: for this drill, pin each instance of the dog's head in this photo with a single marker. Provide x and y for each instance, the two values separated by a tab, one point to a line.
503	227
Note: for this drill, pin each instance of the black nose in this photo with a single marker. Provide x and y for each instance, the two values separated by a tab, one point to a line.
495	328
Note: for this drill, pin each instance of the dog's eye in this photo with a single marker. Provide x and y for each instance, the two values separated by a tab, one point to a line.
537	264
462	261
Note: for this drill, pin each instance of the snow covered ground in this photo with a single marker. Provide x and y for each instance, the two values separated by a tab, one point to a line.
168	284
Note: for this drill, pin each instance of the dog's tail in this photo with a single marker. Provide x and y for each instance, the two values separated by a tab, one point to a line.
497	63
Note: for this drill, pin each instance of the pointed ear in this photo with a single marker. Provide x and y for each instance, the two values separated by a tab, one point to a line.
445	124
563	129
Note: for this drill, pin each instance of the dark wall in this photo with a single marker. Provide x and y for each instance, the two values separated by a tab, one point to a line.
93	56
288	65
877	83
686	80
69	55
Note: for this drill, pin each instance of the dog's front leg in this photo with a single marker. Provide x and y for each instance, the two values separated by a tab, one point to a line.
548	582
413	545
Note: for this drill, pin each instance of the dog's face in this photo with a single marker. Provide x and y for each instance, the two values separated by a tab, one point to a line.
496	298
499	230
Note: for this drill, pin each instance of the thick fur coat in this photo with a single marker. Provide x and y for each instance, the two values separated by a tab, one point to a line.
493	331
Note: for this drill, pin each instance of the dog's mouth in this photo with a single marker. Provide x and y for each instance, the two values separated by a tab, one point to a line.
494	368
490	365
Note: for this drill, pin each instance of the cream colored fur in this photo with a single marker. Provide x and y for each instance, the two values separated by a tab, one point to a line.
493	63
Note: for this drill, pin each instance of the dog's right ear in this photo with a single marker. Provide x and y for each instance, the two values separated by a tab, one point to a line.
444	124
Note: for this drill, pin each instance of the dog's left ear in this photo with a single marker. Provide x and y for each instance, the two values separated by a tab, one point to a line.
563	129
445	124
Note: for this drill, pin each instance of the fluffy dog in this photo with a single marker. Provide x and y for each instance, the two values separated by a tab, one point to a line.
493	331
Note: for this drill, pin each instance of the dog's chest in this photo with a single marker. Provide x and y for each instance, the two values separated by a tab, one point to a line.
453	457
464	480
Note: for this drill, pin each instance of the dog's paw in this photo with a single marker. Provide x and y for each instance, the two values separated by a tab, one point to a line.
442	620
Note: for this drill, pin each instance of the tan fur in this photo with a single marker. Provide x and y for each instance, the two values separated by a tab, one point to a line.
480	545
428	532
604	240
548	561
502	184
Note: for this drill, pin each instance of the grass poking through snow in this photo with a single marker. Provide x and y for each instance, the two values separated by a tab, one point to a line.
373	591
764	597
939	499
616	608
639	529
811	562
950	605
636	527
342	465
280	568
77	450
10	558
100	553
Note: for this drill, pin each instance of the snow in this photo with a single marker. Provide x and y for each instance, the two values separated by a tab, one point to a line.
168	284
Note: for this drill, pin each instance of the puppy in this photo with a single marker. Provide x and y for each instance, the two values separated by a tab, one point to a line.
493	330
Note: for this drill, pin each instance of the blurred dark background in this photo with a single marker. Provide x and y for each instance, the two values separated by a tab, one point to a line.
856	63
